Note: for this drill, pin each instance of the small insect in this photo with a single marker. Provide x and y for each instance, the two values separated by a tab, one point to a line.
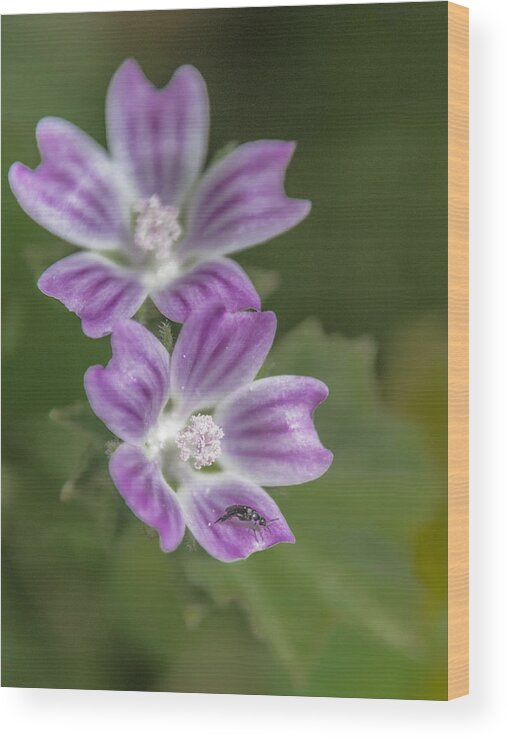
245	514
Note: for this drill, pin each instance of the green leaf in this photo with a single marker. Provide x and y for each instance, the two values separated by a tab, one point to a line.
79	417
351	571
166	334
265	281
222	153
90	473
148	314
415	383
40	257
373	669
415	378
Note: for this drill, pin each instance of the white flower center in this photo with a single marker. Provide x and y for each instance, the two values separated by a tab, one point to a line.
200	439
156	231
161	435
157	227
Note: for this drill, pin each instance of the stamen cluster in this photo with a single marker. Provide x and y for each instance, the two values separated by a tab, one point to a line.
157	227
200	440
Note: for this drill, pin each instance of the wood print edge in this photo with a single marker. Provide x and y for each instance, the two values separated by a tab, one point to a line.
458	350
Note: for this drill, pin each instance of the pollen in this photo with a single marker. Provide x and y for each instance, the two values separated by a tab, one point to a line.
157	227
200	440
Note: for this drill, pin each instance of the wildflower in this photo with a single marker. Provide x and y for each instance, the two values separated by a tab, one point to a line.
149	226
200	435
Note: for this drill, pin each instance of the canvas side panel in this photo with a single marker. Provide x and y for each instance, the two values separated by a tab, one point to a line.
458	346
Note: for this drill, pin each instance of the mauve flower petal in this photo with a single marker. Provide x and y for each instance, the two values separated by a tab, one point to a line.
269	433
143	488
100	292
73	192
220	280
216	352
205	499
159	137
241	201
130	392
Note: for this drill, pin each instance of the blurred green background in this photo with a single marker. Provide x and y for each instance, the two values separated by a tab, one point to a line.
358	606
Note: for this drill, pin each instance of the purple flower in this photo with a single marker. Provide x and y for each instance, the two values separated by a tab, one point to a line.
142	204
202	408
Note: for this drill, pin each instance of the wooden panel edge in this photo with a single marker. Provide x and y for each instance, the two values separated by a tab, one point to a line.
458	351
